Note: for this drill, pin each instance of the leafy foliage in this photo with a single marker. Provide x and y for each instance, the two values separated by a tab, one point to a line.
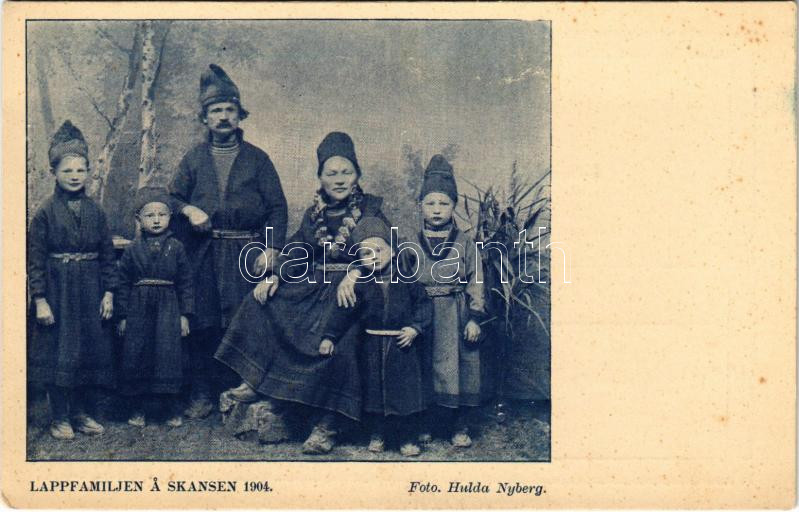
517	279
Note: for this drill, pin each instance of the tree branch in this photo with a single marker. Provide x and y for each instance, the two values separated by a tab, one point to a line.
105	35
99	111
81	88
106	155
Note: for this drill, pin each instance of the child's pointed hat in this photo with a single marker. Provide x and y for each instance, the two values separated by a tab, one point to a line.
68	140
439	177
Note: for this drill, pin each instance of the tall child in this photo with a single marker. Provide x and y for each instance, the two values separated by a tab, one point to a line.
393	316
155	300
72	278
456	289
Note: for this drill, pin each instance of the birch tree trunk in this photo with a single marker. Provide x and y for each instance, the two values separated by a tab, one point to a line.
151	65
102	166
42	68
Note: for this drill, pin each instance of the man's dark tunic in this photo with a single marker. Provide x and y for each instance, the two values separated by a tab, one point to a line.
253	200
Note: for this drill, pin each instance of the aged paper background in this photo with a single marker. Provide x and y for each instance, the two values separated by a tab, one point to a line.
674	197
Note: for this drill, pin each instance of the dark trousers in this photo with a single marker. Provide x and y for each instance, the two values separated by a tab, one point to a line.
401	428
206	376
445	420
67	401
138	403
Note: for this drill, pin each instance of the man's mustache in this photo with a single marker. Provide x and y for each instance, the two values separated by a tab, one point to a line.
224	124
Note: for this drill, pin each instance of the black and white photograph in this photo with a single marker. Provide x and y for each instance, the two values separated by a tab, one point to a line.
288	240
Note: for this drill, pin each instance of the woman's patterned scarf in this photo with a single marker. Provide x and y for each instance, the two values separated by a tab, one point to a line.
351	217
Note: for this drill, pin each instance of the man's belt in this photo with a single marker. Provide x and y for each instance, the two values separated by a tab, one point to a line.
67	257
334	267
234	234
378	332
153	282
442	291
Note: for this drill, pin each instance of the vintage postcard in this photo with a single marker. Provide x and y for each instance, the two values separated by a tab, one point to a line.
531	255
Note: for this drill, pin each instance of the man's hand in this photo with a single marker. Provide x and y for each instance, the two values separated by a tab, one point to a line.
44	315
197	218
472	331
123	325
345	294
326	347
265	289
406	338
107	306
184	326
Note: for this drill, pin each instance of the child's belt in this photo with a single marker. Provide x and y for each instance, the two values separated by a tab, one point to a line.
66	257
378	332
234	234
153	282
442	291
334	267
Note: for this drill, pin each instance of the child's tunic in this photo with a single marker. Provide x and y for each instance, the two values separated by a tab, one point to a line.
71	264
453	280
391	376
155	290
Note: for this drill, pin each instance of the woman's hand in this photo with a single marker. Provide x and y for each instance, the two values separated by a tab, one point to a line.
265	261
198	219
326	347
44	315
184	326
123	325
107	306
345	294
265	289
406	338
472	331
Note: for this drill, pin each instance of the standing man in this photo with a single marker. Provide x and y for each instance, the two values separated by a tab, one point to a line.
225	194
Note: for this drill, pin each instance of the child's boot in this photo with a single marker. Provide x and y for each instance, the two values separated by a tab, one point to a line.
59	405
84	404
175	421
377	443
460	434
410	449
377	428
200	407
137	419
61	429
175	417
88	425
461	438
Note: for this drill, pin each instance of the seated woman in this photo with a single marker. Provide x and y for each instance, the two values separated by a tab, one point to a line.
273	340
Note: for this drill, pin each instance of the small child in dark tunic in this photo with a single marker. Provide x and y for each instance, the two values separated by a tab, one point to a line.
155	300
393	315
72	277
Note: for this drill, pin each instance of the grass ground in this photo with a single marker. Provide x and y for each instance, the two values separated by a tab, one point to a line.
524	436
